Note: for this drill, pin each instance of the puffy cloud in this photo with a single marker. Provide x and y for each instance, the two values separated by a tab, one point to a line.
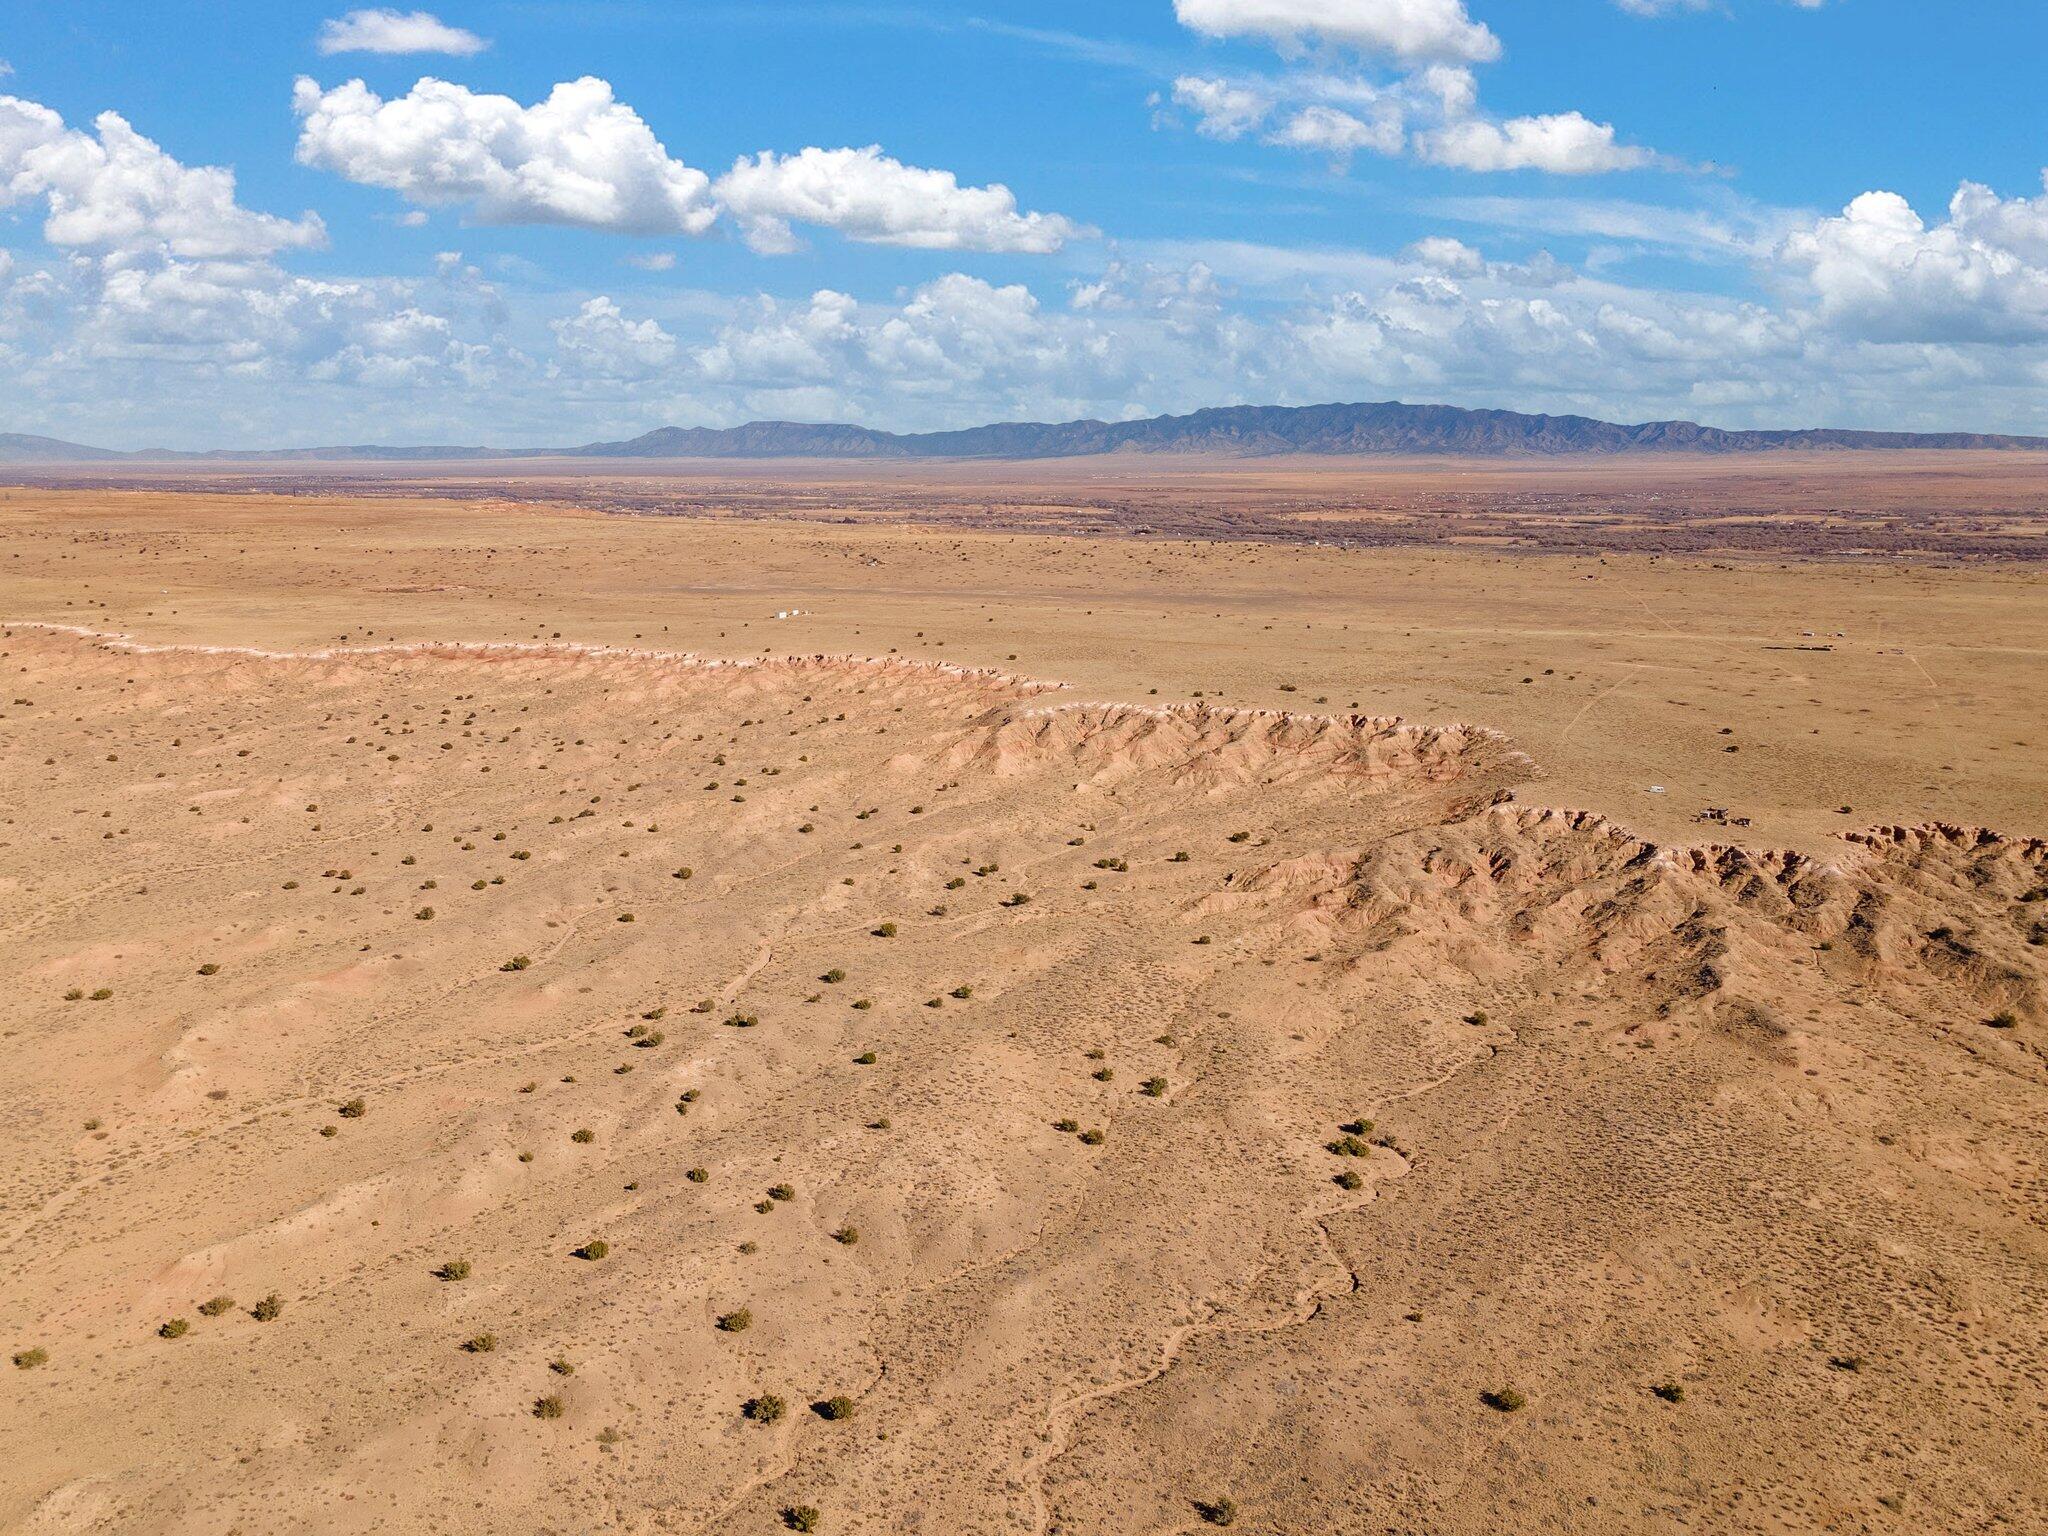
1562	143
1878	270
1340	134
387	31
1447	255
1412	31
599	339
579	157
120	192
865	195
1413	89
2019	224
582	157
1222	110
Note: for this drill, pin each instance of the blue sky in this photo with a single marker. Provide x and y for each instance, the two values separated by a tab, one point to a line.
524	223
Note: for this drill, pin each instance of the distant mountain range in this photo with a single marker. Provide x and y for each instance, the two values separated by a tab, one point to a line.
1243	431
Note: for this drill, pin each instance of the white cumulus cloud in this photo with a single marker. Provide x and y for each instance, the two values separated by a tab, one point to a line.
1222	110
865	195
387	31
1880	271
1413	31
578	157
599	339
1562	143
1340	133
114	190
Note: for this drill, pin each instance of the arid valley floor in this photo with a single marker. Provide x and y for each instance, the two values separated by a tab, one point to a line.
529	1018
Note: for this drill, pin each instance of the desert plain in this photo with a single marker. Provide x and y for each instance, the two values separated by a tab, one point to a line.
1114	999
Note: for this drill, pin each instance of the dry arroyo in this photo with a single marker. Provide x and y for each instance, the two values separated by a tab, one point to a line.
535	1089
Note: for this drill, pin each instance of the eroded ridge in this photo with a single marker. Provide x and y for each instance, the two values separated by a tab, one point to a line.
1095	1111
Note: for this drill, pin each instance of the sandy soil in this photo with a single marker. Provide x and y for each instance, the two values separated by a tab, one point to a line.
1106	1110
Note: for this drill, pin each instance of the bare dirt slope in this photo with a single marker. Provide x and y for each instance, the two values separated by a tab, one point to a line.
1048	1116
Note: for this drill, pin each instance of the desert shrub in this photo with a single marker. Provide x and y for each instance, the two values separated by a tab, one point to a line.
736	1321
1350	1178
956	882
28	1359
1203	939
962	992
765	1409
1067	1127
425	914
516	963
1850	1363
650	1040
1669	1391
1217	1511
743	1021
1504	1400
886	931
176	1328
209	969
354	1109
74	995
454	1269
702	1005
2005	1018
847	1235
330	1130
583	1136
1349	1146
782	1192
217	1306
267	1310
1153	1088
802	1517
834	1408
863	1003
698	1175
561	1368
100	994
1179	858
1358	1127
1104	1074
833	976
1093	1138
480	1344
1240	837
593	1250
549	1407
865	1059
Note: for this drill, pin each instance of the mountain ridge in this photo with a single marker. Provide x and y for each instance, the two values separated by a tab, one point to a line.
1246	431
